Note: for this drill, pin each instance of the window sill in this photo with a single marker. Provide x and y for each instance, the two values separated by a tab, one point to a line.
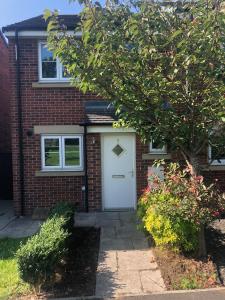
42	85
215	168
151	156
58	173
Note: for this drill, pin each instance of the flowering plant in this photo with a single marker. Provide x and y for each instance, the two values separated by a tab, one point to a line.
178	206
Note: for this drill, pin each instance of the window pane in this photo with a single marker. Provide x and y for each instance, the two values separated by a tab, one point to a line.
72	151
49	70
52	152
65	73
157	145
46	55
217	154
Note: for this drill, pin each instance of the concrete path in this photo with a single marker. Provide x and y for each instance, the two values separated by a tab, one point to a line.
126	265
6	213
20	227
13	227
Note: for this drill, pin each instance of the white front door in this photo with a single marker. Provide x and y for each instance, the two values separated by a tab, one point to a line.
118	171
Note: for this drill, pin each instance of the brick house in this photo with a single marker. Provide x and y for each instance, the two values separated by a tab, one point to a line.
5	139
64	144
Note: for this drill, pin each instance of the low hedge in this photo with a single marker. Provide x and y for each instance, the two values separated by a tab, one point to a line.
39	257
65	210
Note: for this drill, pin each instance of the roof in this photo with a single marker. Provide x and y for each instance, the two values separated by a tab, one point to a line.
99	112
39	23
3	38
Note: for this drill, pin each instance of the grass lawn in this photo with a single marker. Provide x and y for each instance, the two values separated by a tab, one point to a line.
10	283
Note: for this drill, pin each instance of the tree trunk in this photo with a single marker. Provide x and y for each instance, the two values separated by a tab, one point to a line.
194	166
202	252
195	170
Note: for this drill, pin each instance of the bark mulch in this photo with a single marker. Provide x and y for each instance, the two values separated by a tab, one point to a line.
77	275
215	238
181	272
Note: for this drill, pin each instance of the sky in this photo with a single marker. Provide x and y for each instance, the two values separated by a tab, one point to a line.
12	11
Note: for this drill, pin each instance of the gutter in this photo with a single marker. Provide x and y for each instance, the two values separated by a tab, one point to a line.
20	122
85	169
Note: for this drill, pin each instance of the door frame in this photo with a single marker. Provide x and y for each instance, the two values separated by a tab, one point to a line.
133	135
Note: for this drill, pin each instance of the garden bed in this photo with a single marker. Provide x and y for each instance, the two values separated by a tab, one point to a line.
215	237
180	272
77	275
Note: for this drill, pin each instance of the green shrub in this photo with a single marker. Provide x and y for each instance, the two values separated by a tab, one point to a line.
189	284
38	258
65	210
174	210
176	233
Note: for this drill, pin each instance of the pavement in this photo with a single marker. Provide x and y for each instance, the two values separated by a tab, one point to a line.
126	264
212	294
206	294
6	213
13	227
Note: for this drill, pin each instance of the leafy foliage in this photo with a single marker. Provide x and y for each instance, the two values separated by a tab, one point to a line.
174	210
161	66
39	257
65	210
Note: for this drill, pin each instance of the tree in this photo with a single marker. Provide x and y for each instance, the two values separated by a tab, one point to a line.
161	64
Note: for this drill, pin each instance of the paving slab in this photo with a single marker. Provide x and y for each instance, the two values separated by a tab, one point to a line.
85	219
116	244
108	233
130	283
20	227
126	265
151	281
140	244
6	213
136	260
107	262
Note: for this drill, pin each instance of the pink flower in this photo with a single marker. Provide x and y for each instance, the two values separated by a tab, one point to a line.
199	178
146	190
215	213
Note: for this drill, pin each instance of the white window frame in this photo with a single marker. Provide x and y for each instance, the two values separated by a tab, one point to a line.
80	167
62	166
59	67
153	150
214	162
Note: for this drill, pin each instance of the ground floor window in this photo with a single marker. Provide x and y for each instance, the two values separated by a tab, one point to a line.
62	152
216	157
156	148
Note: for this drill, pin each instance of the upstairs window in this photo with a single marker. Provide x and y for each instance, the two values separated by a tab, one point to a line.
62	153
155	148
50	68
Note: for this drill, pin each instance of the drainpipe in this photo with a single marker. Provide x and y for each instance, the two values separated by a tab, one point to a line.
20	121
85	169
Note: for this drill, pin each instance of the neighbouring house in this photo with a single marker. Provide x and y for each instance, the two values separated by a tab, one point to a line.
5	123
64	144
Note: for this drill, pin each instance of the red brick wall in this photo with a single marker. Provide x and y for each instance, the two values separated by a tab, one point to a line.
55	106
41	106
4	98
94	171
